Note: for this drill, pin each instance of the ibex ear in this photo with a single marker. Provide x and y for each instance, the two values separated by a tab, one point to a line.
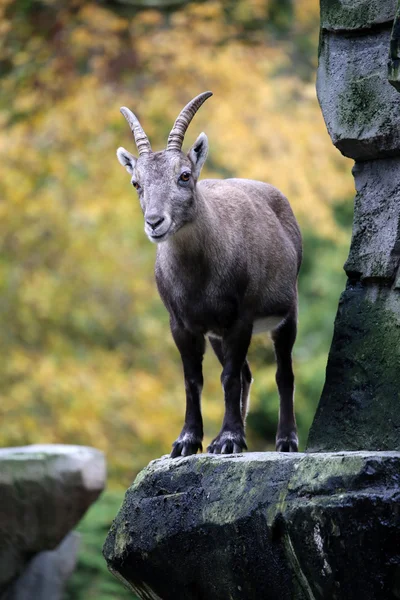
198	153
126	159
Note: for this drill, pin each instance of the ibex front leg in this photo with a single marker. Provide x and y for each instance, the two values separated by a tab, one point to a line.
235	344
284	338
191	348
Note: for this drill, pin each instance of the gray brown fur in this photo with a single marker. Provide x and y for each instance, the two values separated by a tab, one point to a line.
228	256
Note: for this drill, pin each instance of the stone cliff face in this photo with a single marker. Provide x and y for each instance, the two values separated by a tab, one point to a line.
360	400
261	526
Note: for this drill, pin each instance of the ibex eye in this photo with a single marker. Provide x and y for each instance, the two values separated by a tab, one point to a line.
185	176
135	184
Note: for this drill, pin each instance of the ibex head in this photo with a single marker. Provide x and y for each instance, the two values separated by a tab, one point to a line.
166	181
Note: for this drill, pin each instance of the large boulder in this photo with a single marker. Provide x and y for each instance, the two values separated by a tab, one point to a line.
263	525
44	492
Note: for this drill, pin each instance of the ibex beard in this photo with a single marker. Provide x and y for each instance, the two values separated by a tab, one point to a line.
228	256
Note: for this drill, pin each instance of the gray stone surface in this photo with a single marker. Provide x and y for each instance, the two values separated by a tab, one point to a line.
359	407
375	245
47	573
44	492
360	107
347	15
261	526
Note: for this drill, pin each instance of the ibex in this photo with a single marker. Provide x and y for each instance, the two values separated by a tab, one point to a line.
228	256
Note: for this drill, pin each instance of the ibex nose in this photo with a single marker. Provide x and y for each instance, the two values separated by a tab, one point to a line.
154	221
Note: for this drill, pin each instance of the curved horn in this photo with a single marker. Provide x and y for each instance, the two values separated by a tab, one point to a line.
141	139
175	138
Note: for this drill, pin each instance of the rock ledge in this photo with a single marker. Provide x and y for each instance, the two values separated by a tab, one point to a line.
261	525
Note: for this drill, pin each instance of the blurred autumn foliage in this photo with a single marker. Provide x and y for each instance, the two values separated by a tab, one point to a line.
87	353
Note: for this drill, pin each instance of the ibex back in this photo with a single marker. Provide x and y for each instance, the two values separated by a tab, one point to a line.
228	256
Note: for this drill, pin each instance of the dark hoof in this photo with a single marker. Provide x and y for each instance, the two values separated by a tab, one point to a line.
289	443
186	445
227	443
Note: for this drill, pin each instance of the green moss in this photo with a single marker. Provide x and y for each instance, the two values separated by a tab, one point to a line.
359	104
140	477
122	539
380	349
278	507
315	475
358	408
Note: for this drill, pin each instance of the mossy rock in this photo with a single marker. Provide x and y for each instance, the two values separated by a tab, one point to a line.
261	525
359	407
360	107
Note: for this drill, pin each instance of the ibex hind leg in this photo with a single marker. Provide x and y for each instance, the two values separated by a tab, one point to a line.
284	338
